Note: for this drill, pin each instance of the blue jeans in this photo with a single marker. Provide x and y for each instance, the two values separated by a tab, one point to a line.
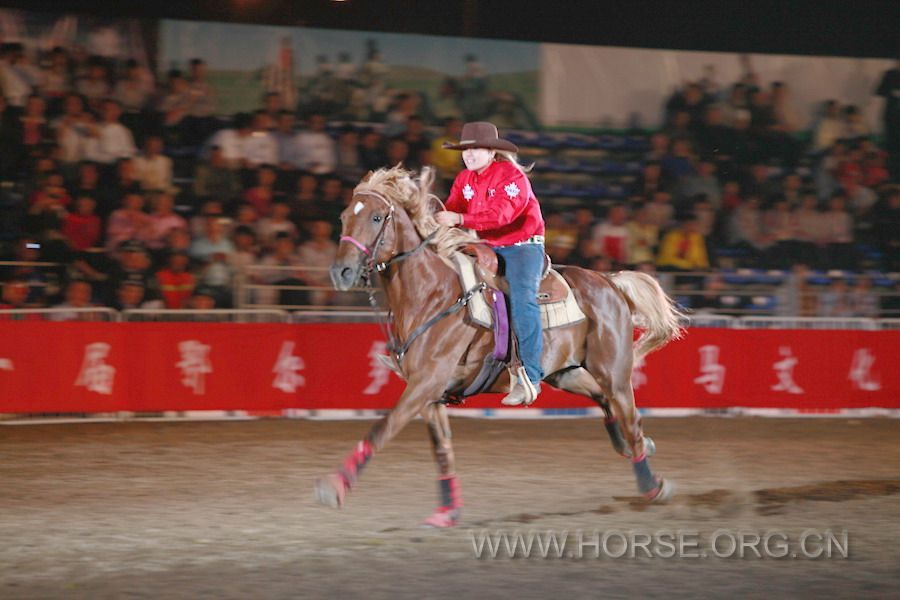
523	273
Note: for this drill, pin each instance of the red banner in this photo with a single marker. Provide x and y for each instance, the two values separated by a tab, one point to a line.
107	367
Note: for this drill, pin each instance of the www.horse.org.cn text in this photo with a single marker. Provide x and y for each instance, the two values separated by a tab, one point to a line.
810	544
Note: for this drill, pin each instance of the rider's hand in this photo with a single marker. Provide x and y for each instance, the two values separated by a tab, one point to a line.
448	218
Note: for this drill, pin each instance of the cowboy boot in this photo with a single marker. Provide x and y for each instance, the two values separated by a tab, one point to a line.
523	392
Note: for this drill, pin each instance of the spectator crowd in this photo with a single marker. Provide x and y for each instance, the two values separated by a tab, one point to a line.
143	196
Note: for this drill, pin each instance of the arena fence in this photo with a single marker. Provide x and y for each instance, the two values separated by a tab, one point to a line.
240	364
367	315
745	292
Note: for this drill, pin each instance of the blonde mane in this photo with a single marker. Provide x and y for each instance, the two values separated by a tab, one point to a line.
414	196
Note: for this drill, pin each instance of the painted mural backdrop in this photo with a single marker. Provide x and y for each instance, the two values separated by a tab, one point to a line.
360	75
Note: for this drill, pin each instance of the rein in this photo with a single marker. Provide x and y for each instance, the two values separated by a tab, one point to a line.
464	298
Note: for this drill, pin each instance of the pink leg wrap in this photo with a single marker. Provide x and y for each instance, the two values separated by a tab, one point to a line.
451	494
447	514
355	463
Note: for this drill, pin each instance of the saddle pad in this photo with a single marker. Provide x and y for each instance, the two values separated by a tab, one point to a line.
562	313
554	314
479	311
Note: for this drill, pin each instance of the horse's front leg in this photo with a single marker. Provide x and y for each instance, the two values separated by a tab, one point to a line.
449	493
332	489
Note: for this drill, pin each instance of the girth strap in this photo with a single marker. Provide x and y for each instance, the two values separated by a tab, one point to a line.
400	351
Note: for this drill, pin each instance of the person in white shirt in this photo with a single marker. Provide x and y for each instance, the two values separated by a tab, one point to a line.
73	128
154	170
279	222
317	152
114	140
231	141
17	76
830	128
261	148
134	89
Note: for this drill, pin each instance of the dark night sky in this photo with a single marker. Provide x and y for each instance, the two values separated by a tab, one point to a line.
824	27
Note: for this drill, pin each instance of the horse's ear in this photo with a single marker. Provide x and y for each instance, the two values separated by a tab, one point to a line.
367	176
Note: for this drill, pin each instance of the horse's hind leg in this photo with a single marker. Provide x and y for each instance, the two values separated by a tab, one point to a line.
610	359
579	381
448	511
332	489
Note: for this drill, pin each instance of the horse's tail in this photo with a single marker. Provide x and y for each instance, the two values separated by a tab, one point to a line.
656	311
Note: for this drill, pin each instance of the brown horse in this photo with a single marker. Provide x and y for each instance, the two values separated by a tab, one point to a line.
388	227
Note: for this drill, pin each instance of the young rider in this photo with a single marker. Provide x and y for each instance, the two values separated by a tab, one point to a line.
494	197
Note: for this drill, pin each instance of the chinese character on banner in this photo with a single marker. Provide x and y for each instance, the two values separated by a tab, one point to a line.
861	371
95	375
784	371
378	371
638	378
194	365
712	376
287	378
6	364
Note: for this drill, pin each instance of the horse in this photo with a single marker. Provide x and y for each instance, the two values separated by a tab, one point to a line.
388	227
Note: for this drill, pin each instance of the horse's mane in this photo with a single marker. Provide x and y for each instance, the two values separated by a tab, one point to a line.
414	195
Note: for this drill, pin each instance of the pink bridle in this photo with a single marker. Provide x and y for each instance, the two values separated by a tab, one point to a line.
357	243
352	240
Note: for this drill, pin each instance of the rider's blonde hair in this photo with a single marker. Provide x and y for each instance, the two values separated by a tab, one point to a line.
513	158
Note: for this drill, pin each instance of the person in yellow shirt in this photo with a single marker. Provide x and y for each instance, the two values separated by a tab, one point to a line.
447	161
683	248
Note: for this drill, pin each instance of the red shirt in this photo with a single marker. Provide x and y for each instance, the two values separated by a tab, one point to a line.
260	198
83	231
176	287
499	204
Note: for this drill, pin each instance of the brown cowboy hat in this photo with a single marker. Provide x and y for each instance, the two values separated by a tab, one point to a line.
481	135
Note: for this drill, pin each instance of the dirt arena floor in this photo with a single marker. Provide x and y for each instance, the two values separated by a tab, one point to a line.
226	510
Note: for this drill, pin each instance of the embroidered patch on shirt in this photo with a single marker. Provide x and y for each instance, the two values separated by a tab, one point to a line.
468	192
512	190
491	192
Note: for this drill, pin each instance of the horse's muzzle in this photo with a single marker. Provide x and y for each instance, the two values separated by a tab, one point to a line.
344	277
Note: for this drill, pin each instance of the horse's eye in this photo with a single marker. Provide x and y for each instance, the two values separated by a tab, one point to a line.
376	218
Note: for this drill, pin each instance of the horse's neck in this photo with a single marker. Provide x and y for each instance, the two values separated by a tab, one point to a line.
416	288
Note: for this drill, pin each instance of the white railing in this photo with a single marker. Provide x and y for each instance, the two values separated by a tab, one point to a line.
59	314
219	315
889	323
367	315
337	316
808	323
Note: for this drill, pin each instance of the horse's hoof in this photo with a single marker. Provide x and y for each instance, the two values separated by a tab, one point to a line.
331	491
442	519
663	492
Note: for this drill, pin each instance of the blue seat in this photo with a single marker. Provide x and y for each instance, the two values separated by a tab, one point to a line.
610	142
635	143
578	141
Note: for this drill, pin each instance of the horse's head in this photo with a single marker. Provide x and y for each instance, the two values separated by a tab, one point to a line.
371	223
368	236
